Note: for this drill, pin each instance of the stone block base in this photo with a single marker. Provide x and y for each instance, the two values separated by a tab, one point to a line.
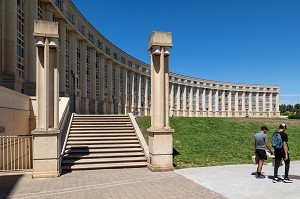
161	149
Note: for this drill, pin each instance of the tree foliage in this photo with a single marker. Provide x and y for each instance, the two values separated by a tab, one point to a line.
292	111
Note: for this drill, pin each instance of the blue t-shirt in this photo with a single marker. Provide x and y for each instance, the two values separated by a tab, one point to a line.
260	139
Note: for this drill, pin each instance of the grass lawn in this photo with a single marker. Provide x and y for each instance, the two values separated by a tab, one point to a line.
221	141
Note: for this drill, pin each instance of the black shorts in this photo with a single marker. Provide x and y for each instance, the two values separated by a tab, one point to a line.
261	154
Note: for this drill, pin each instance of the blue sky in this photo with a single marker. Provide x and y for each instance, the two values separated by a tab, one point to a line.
241	41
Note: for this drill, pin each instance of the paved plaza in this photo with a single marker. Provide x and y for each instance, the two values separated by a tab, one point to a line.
232	181
117	183
238	181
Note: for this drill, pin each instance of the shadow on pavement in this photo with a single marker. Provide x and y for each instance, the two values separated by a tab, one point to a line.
7	184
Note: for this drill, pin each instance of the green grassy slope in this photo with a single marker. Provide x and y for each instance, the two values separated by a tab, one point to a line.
221	141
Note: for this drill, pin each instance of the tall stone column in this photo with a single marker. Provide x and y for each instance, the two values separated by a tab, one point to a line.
83	78
243	104
229	104
171	100
277	105
146	96
250	105
10	78
62	57
236	103
132	107
30	54
117	79
160	133
184	101
73	66
216	103
264	104
271	105
125	97
139	96
102	103
197	101
48	12
46	137
223	103
191	110
257	105
93	102
209	103
204	111
110	106
178	100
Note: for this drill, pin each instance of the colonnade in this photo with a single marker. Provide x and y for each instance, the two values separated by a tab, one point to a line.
100	78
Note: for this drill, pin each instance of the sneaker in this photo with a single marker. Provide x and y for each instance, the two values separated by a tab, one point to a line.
287	180
260	176
275	180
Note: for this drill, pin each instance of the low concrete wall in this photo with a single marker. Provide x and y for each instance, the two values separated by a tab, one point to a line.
16	112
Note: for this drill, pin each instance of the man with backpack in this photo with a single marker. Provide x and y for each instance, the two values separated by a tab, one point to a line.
260	141
280	145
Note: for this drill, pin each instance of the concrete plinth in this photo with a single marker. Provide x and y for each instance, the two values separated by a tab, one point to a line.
46	145
161	149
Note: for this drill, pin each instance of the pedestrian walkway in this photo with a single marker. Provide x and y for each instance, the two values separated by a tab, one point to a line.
139	183
238	181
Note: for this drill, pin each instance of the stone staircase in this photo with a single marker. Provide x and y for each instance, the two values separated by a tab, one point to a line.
102	142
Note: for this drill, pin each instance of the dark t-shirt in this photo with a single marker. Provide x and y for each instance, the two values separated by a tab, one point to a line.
284	138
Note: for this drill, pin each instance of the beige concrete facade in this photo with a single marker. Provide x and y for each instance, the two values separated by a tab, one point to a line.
122	83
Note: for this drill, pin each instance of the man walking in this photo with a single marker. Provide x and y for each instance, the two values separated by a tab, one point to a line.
282	153
260	142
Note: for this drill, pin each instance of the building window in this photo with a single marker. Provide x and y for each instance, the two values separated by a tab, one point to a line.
59	3
91	37
123	60
107	50
81	28
116	56
40	10
78	65
70	16
67	61
136	66
88	74
99	44
20	38
130	63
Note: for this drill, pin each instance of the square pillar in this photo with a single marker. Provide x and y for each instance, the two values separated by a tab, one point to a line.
46	137
160	133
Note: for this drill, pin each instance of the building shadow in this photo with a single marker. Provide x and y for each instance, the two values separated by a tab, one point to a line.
7	183
74	155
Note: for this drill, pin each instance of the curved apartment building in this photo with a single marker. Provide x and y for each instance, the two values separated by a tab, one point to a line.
100	78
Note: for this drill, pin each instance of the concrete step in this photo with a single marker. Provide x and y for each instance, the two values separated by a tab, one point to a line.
90	151
102	146
105	166
101	138
102	142
128	153
104	116
101	119
101	131
102	160
101	128
100	125
101	134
